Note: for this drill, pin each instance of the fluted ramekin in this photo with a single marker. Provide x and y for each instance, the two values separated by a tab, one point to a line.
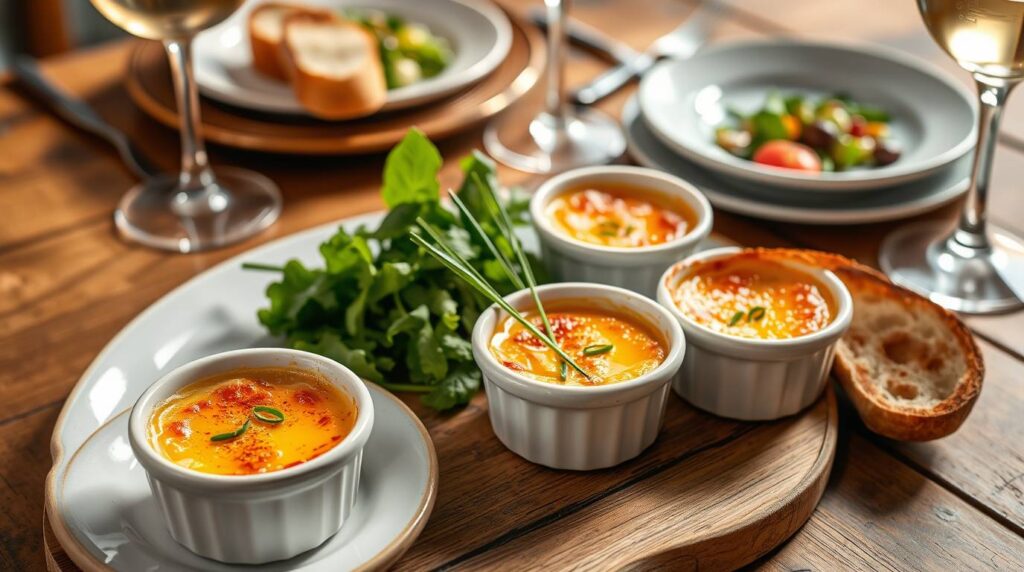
633	268
252	519
576	427
754	379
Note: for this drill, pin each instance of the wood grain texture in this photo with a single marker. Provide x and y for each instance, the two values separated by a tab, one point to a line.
67	285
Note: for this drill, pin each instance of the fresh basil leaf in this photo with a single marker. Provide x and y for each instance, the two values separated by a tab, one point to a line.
398	221
410	171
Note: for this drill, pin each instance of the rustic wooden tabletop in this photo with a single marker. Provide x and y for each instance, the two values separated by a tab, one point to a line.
68	284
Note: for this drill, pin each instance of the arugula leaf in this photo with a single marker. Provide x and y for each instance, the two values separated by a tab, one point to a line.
330	345
410	171
398	221
456	389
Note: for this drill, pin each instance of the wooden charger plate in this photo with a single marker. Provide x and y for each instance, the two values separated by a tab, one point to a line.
709	494
149	84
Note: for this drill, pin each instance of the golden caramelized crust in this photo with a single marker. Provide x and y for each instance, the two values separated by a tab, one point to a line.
620	215
610	347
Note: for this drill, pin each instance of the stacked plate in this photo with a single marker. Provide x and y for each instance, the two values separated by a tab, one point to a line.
496	60
671	126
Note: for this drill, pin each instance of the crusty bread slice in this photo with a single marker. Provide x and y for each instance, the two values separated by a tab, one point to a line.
911	368
334	66
266	28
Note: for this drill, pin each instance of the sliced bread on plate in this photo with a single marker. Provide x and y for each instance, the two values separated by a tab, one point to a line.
266	29
334	66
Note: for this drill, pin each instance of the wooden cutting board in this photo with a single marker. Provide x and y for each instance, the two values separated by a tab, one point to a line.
709	494
148	81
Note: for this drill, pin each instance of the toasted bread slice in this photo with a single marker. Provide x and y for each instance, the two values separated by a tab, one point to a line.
910	367
334	66
266	29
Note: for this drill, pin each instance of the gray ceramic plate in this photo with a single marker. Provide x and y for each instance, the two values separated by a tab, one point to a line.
932	117
780	204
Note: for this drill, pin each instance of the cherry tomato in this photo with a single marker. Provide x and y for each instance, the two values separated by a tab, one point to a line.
788	155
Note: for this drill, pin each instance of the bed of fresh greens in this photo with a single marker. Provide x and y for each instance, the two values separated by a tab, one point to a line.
384	307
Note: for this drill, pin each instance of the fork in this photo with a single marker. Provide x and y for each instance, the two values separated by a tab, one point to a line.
680	43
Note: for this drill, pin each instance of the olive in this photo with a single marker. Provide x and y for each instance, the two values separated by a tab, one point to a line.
820	134
885	155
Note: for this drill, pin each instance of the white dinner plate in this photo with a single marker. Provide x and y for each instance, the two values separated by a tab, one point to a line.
933	117
479	32
212	313
779	204
106	498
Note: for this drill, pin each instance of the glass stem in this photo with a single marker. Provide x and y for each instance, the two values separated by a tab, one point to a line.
992	95
196	175
555	96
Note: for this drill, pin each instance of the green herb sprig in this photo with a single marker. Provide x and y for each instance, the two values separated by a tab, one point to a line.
755	314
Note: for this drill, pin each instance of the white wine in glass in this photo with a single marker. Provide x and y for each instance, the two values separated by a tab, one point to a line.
196	209
978	268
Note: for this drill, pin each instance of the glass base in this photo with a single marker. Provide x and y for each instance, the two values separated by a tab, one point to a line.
157	213
550	145
975	280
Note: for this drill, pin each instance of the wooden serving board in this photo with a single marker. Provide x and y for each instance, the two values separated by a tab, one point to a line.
148	81
709	494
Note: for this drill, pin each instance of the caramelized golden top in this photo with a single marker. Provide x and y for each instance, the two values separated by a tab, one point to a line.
317	416
620	216
585	335
751	296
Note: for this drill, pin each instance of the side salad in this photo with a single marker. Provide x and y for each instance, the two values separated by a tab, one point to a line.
384	307
795	132
409	51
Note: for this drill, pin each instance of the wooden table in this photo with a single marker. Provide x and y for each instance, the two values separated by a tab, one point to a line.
68	284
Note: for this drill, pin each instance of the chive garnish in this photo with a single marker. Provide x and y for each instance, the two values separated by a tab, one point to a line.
267	414
756	313
736	318
597	349
233	434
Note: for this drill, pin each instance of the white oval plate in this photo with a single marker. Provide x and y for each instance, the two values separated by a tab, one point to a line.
773	203
106	499
211	313
933	117
479	32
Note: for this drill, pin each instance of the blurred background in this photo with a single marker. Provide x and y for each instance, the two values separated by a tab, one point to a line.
46	27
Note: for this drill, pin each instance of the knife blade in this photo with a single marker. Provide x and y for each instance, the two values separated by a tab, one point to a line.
79	114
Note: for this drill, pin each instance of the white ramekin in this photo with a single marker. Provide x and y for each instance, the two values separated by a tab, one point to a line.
574	427
752	379
252	519
637	269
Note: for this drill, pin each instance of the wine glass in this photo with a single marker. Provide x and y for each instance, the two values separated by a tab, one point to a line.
559	138
196	209
978	268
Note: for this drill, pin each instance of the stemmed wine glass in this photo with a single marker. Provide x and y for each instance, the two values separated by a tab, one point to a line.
979	268
559	138
196	209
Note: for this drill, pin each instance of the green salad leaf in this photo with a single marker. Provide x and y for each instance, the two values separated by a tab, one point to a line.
384	308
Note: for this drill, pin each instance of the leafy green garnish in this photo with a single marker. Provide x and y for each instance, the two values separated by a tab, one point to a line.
389	311
231	434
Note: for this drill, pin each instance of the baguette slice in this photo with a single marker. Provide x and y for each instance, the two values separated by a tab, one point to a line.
910	367
334	66
266	28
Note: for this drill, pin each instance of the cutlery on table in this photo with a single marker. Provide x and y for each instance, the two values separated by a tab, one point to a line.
78	113
680	43
589	38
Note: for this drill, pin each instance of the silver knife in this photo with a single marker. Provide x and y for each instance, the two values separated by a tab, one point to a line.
77	113
589	38
680	43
